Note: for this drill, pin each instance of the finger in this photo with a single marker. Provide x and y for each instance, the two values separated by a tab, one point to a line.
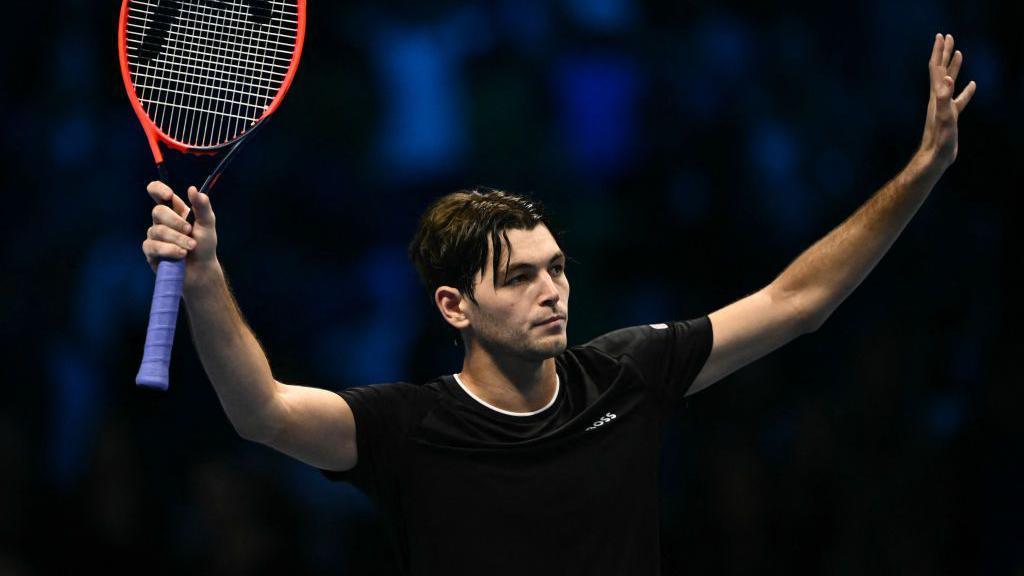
180	207
936	58
954	65
947	50
944	93
155	250
171	236
161	193
204	211
163	215
961	101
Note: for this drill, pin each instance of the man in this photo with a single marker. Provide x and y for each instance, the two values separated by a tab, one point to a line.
537	458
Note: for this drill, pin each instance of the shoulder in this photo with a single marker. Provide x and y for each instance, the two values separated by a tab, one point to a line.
649	338
392	399
389	390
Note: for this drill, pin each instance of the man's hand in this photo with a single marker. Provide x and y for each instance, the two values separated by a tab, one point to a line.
171	237
940	131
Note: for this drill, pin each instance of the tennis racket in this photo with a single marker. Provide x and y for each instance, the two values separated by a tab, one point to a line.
202	76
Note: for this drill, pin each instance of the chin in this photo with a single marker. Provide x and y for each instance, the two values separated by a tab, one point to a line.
552	349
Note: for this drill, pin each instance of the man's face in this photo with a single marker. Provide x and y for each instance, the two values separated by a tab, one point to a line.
534	288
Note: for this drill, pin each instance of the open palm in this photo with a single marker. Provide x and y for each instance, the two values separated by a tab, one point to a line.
940	129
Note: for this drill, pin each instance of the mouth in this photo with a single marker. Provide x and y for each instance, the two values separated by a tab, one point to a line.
552	320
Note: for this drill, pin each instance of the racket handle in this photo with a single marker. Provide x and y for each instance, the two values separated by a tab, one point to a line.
163	317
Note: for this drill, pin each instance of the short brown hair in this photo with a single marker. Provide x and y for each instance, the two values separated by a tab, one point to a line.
450	243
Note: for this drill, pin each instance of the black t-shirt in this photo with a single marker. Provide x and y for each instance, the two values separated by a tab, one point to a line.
572	488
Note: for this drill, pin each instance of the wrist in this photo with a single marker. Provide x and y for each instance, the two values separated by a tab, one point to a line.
928	163
202	275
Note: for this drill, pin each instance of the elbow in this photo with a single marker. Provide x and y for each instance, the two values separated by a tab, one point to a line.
812	318
254	434
815	316
813	308
813	324
803	308
265	426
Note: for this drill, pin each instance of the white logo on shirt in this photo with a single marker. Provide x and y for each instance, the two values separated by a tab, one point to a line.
608	417
658	326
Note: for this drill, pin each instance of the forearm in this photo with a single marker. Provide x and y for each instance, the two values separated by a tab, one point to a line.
232	357
827	272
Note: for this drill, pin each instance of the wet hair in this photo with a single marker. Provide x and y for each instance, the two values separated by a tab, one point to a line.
449	247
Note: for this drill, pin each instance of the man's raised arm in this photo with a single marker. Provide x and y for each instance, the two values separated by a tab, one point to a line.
803	296
827	272
313	425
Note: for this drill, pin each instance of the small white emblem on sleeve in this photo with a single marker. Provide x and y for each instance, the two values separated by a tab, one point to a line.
658	326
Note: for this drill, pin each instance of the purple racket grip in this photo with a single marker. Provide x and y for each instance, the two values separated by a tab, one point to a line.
163	317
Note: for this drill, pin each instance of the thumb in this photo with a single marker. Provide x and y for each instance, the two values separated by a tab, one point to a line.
203	209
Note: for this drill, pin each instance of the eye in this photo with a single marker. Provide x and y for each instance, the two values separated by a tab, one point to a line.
559	267
516	279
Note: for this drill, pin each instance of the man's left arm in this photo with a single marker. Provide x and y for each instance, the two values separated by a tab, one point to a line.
800	299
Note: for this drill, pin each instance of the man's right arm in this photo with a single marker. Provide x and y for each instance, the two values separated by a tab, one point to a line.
317	427
312	425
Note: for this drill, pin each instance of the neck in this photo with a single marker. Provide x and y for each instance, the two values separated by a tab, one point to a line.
511	384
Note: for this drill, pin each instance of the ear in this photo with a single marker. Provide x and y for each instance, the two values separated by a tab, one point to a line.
452	306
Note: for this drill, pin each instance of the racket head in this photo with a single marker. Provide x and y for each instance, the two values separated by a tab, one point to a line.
200	74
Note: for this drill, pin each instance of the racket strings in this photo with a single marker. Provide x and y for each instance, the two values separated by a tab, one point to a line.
207	70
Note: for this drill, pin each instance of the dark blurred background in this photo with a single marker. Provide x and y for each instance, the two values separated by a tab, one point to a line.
689	151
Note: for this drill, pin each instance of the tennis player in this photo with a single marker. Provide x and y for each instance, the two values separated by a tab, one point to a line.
537	457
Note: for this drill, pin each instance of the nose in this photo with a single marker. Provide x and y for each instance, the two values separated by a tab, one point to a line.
550	290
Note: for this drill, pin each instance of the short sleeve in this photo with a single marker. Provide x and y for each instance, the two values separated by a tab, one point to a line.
384	415
668	356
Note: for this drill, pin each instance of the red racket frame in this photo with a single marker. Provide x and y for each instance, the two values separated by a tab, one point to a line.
154	371
153	132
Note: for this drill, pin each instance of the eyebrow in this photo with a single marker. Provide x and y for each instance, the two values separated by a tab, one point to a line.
518	265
